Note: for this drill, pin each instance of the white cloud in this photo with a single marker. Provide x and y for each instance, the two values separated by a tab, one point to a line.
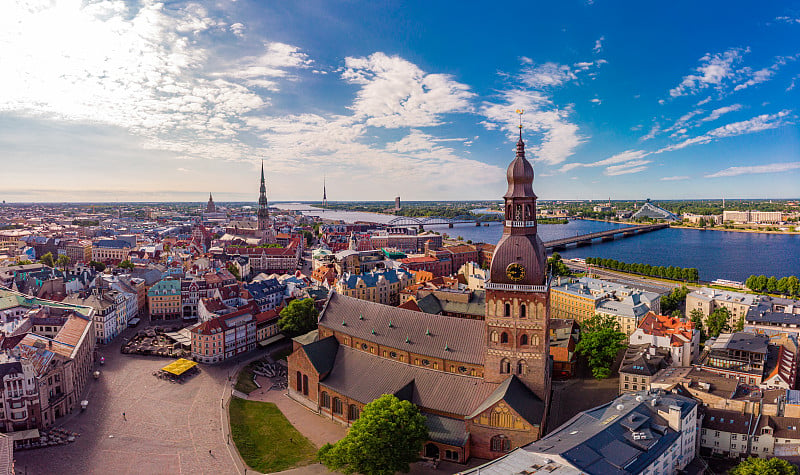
788	19
556	135
397	93
264	70
237	29
717	113
756	124
547	75
626	156
675	178
713	70
770	168
654	130
596	101
763	75
634	166
598	45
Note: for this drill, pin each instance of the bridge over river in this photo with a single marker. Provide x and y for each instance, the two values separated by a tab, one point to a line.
586	239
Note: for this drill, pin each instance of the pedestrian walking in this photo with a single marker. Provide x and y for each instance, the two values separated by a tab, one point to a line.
123	416
209	453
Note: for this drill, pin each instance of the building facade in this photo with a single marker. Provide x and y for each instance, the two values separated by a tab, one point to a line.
164	300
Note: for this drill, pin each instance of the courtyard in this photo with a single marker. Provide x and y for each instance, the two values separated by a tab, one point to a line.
167	427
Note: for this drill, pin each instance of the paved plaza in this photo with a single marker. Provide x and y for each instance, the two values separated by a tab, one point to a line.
170	427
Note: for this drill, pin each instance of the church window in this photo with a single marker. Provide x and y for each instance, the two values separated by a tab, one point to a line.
501	443
495	337
504	337
522	367
523	311
299	381
393	354
352	412
337	405
505	366
426	363
462	369
325	400
305	385
507	310
364	346
523	340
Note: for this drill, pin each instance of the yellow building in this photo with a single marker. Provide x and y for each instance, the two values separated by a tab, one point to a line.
164	300
380	287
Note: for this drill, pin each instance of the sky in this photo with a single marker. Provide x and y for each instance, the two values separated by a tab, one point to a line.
145	101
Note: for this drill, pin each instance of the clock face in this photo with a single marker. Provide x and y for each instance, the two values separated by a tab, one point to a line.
515	272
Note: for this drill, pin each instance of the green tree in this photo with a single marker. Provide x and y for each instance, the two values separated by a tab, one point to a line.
793	285
696	316
557	266
772	284
299	317
48	260
600	342
126	264
750	283
22	263
759	466
676	314
761	282
63	261
387	437
233	270
717	321
674	300
98	266
739	324
783	285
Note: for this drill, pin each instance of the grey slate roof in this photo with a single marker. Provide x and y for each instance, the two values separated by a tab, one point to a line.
446	430
430	304
450	338
519	397
365	377
322	354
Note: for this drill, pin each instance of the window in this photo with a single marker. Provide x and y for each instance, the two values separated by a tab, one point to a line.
504	337
505	366
299	382
305	385
495	337
522	367
462	369
522	312
500	443
364	346
523	340
426	363
337	406
352	412
393	354
508	310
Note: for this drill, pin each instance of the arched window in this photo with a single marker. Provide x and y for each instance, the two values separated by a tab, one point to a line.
508	310
337	406
528	214
305	385
522	367
495	337
501	443
523	340
505	366
325	400
299	382
523	312
352	412
504	337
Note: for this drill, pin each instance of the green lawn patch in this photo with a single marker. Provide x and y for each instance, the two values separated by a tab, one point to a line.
265	439
244	382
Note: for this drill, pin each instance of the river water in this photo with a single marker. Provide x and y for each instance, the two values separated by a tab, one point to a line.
716	254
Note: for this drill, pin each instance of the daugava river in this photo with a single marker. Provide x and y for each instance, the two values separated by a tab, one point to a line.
717	254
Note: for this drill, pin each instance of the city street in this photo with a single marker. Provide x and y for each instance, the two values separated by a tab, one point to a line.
167	427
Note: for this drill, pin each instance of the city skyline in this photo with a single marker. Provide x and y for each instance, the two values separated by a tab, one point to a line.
138	101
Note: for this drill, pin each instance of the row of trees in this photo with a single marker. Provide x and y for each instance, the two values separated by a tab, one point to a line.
689	274
785	285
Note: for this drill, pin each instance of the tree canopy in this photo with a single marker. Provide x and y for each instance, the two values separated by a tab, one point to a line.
674	300
387	437
233	270
47	259
557	266
98	266
62	261
697	317
759	466
600	342
299	317
126	264
717	321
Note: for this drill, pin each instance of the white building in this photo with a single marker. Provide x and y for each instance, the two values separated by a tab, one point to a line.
679	338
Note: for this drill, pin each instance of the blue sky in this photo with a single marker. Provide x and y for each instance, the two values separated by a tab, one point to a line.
142	101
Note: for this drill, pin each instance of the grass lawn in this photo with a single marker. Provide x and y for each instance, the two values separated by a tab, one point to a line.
262	433
244	382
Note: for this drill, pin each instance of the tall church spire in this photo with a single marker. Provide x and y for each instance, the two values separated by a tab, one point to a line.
263	205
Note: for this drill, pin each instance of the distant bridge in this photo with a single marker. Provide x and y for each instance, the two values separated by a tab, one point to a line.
431	220
586	239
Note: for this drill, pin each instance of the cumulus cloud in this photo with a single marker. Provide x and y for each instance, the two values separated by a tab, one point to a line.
712	72
264	70
770	168
675	178
237	29
397	93
547	75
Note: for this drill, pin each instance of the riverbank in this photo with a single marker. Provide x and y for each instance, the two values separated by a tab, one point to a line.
707	228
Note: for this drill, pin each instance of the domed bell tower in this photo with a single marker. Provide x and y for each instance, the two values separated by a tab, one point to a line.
518	291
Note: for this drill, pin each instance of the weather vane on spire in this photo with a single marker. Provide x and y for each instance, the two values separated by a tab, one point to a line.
520	112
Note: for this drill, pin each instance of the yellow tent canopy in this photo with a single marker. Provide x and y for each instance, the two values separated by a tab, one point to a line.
180	366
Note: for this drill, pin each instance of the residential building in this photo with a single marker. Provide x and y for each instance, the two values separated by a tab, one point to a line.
382	287
707	300
268	293
737	355
19	394
112	311
773	315
736	435
564	335
680	338
164	300
324	274
752	216
78	251
642	432
225	336
111	250
640	365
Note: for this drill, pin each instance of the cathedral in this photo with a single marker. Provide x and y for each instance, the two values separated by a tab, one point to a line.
243	233
483	385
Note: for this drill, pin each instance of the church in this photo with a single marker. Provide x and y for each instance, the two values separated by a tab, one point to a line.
483	385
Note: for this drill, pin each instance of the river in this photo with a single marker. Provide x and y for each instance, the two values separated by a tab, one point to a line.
716	254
